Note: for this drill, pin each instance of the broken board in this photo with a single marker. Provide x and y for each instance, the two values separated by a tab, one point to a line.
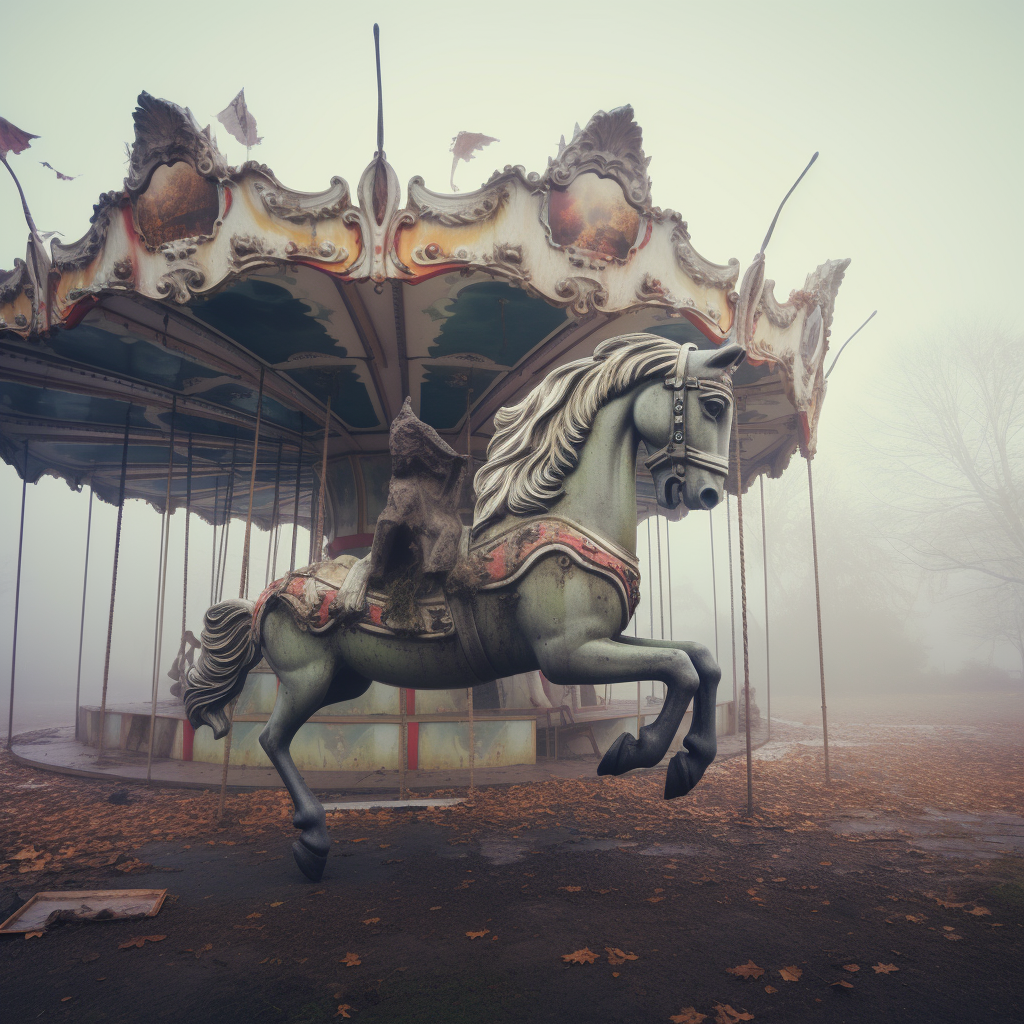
83	905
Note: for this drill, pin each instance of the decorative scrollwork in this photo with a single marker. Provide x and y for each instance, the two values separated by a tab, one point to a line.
465	208
181	284
166	134
703	272
583	294
124	270
304	207
611	146
779	315
76	255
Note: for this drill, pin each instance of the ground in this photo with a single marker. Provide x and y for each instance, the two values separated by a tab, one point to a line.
896	893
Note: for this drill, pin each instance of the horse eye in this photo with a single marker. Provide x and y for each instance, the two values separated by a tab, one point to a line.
714	408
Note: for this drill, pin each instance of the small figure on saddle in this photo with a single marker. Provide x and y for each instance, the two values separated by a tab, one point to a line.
418	534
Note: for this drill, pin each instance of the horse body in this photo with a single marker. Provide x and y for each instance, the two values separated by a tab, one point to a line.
558	616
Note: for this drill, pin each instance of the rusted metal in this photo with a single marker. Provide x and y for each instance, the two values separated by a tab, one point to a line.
732	617
243	583
81	628
817	608
317	546
767	638
746	645
17	596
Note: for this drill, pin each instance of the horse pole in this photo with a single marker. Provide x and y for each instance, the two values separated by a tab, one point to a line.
714	582
732	616
743	610
817	606
767	642
17	595
81	627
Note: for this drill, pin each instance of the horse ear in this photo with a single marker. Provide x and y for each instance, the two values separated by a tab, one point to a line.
726	358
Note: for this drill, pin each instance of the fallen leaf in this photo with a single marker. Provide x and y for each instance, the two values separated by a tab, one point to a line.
570	888
770	989
825	863
279	903
255	913
947	904
478	935
852	968
138	942
616	956
580	956
841	984
747	970
778	879
435	908
655	899
688	1015
791	973
66	998
917	918
979	911
725	1014
351	960
952	936
343	1011
881	968
33	935
29	853
372	920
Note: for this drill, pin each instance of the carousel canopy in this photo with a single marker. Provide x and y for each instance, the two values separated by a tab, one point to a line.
196	280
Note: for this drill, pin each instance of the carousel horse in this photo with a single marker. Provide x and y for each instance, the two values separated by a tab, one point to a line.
547	578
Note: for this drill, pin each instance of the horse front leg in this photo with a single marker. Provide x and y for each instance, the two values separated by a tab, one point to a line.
622	661
700	745
301	693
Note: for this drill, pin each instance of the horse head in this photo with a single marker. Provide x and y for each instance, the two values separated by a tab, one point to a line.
686	420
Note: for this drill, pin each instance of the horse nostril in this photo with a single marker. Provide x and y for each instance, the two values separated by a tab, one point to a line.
709	497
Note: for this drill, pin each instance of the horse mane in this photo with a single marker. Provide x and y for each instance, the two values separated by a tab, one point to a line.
537	442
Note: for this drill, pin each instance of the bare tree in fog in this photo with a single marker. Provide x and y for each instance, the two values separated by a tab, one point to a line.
958	439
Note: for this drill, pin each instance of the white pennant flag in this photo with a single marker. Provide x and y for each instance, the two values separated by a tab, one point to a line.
239	122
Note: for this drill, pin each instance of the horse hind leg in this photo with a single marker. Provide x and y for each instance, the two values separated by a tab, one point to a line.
700	745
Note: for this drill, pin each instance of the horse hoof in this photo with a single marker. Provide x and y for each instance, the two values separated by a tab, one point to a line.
610	762
311	863
677	779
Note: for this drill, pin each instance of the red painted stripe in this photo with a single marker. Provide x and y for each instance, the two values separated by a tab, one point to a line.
355	540
413	760
187	736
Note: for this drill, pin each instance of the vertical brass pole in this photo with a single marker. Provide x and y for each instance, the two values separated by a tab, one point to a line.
213	548
817	606
184	560
403	741
746	646
318	543
274	518
81	627
469	692
732	617
113	581
161	598
767	639
298	493
17	595
714	581
225	530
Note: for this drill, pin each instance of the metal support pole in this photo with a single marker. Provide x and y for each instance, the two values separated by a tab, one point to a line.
403	741
714	580
17	595
817	606
318	543
161	600
732	616
225	530
472	741
213	547
81	627
243	583
767	640
746	645
184	562
113	581
274	518
295	515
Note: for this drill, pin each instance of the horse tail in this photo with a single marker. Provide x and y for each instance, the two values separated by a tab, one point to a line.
230	649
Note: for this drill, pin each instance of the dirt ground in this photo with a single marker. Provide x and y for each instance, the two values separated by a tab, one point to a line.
897	893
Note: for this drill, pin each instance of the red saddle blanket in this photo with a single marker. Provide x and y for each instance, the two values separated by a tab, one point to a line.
496	562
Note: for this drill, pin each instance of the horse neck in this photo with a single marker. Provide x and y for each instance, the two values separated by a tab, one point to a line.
600	493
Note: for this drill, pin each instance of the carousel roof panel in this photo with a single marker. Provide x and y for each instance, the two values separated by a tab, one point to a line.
196	282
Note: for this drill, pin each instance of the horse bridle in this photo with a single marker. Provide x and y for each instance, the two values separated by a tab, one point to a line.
677	454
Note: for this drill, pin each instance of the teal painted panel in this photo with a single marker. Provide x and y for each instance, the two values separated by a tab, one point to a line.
379	699
348	395
494	320
258	694
446	744
443	393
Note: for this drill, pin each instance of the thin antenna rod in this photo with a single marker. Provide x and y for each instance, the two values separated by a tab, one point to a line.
380	93
768	237
847	342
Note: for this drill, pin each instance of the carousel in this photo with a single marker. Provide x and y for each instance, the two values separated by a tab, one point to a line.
224	347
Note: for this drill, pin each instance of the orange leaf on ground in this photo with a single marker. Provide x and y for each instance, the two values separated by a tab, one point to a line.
616	956
655	899
825	863
770	989
952	936
747	970
343	1011
917	918
570	888
478	935
841	984
979	911
688	1015
33	935
138	942
852	968
725	1014
791	973
252	915
372	920
278	903
947	904
351	960
881	968
580	956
